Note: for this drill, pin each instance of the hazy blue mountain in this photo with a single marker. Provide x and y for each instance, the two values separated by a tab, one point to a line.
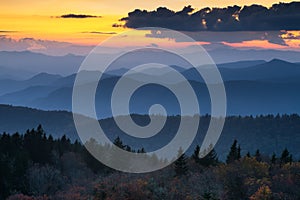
60	99
69	64
226	55
36	62
241	64
273	69
243	98
117	72
270	87
9	86
44	79
14	74
151	71
89	76
27	96
267	71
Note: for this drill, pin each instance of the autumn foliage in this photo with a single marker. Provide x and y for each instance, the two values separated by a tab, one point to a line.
37	167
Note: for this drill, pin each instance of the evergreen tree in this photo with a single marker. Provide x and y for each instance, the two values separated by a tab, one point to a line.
64	145
35	141
210	159
286	157
128	148
239	152
196	153
181	164
258	155
142	150
234	153
273	159
248	155
118	142
208	196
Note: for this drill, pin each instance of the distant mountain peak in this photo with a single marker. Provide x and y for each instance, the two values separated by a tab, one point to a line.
45	75
276	60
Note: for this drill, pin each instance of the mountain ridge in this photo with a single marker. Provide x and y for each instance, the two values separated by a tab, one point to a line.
274	131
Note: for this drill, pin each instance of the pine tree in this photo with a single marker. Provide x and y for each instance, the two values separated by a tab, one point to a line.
128	148
181	164
196	153
208	196
248	155
286	157
273	159
234	153
258	155
211	159
239	152
142	150
118	142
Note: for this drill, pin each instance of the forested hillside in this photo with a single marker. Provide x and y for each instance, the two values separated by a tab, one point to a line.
34	166
268	133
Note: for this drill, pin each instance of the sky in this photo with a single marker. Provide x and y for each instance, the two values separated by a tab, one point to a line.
46	26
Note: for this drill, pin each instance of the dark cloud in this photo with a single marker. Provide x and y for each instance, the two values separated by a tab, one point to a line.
115	25
101	33
78	16
7	31
282	16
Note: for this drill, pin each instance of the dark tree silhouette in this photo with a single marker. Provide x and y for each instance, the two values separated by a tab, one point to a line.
248	154
208	196
234	153
196	153
210	159
118	142
258	156
181	164
273	159
286	157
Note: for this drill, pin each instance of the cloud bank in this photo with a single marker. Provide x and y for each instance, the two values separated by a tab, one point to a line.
282	16
49	47
274	37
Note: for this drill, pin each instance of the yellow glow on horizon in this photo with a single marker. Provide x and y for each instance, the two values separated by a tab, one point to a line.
79	31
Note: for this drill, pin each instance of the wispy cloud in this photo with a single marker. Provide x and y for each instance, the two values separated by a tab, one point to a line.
79	16
100	32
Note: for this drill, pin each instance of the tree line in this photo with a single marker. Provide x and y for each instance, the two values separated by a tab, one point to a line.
35	165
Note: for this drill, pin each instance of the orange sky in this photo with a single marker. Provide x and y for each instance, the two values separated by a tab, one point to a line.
38	18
